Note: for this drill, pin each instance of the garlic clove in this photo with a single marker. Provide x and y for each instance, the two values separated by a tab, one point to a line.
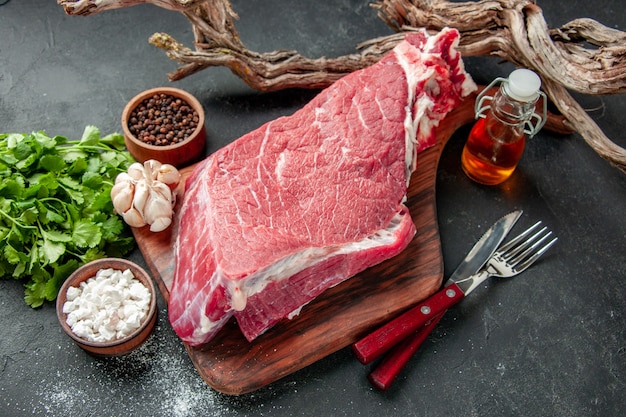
122	196
163	191
160	224
133	218
151	168
157	207
124	177
136	171
168	174
142	192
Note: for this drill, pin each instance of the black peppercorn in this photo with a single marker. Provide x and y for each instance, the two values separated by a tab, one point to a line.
163	120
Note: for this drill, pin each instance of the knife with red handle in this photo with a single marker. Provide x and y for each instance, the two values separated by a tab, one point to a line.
384	338
421	319
390	366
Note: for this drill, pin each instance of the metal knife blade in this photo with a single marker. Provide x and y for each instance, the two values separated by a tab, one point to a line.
484	248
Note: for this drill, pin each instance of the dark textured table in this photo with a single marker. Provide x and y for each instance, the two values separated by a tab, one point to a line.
551	342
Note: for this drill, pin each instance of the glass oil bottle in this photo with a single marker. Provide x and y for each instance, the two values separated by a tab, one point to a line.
497	140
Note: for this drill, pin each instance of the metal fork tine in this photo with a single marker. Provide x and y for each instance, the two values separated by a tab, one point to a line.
514	252
515	258
519	238
528	262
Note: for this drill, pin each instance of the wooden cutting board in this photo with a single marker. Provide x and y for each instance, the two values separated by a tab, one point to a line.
341	315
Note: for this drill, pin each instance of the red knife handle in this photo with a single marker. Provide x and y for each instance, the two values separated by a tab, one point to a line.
389	335
389	368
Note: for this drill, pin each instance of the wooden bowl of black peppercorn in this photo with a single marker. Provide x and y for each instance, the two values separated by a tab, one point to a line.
165	124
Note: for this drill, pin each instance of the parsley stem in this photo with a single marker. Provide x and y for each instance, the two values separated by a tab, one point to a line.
15	222
56	200
78	256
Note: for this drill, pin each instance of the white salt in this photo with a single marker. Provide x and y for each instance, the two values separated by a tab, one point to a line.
109	306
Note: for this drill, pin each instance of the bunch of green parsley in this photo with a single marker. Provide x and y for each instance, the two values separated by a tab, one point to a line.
56	212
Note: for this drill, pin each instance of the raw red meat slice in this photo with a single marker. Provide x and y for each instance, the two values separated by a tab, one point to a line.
304	202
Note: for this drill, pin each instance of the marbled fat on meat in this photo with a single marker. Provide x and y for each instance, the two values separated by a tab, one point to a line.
307	201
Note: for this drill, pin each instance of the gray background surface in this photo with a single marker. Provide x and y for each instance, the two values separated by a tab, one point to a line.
548	343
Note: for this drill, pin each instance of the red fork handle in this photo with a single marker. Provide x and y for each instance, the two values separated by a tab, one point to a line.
389	368
389	335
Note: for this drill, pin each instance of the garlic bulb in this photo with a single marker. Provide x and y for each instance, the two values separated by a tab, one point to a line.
144	195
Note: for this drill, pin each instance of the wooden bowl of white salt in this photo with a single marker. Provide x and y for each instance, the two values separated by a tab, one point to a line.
108	306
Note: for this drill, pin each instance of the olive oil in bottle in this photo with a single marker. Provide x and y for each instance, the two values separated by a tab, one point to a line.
497	140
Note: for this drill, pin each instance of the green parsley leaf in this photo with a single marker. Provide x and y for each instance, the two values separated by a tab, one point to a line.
86	234
52	163
51	251
91	136
56	236
11	255
93	180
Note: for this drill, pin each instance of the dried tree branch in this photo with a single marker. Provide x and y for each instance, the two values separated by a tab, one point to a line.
514	30
89	7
